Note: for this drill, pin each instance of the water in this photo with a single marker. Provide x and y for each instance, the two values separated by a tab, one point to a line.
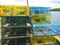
56	17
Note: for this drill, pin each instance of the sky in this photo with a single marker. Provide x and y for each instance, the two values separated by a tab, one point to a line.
40	3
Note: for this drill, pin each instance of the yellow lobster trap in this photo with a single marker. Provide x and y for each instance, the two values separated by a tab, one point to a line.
41	19
1	10
21	11
6	10
43	40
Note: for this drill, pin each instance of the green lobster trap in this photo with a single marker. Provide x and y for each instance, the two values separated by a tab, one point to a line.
16	21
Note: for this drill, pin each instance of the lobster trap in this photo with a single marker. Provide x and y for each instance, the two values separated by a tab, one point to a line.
6	10
17	21
45	29
20	41
13	10
44	40
21	11
16	30
40	10
41	19
10	32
